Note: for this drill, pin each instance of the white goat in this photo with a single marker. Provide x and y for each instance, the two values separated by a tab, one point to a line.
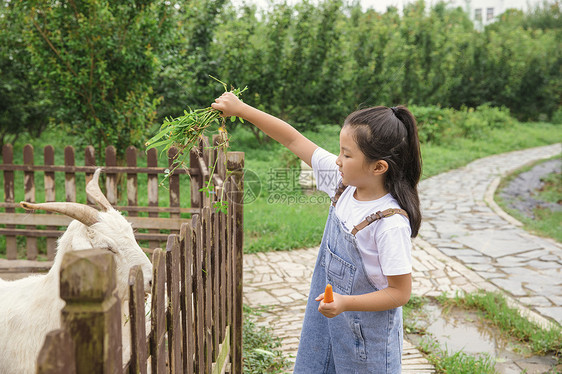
31	307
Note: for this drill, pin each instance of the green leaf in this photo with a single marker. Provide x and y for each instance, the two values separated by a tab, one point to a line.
158	144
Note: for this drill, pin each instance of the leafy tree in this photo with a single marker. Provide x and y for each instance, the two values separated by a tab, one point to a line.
290	58
97	62
23	109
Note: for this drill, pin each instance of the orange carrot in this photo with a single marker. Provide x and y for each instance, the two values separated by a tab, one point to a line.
328	294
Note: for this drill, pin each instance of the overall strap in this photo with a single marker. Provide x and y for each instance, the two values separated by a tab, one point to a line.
339	190
376	216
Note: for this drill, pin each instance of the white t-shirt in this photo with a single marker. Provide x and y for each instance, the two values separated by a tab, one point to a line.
385	245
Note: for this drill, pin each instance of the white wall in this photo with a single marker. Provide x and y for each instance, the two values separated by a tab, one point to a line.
497	7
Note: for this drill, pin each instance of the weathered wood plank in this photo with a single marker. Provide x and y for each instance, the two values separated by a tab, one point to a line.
139	348
92	313
207	285
235	165
196	180
60	220
110	177
215	281
29	188
50	195
186	250
24	266
147	209
174	182
173	310
58	233
92	169
198	296
229	261
221	141
89	160
158	312
223	355
8	159
69	176
152	189
132	180
57	354
222	266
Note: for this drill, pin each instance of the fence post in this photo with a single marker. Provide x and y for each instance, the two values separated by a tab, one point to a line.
158	312
29	187
69	176
57	354
152	191
174	181
174	326
89	160
235	165
50	195
139	347
186	245
132	180
111	188
92	314
196	181
8	159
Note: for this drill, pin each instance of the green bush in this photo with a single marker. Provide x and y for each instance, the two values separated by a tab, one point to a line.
436	125
557	116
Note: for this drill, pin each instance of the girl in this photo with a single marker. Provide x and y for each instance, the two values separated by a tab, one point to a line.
366	247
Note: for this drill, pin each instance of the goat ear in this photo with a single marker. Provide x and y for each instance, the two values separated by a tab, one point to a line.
93	190
80	212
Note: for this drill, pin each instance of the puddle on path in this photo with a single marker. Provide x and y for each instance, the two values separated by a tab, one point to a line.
461	330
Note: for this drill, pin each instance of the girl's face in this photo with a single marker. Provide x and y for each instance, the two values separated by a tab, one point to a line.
355	169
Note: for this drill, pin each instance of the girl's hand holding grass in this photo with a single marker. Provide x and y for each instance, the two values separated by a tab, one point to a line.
229	104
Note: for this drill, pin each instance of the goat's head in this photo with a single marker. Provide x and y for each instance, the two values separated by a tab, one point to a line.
101	229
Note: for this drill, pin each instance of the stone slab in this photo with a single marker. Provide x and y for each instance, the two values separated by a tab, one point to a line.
496	243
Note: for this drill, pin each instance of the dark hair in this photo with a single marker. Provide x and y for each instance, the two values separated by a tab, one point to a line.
391	134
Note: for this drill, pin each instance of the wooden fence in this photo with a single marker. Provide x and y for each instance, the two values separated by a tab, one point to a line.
196	308
147	218
195	314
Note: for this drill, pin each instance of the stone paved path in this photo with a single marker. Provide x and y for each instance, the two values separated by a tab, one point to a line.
466	243
462	221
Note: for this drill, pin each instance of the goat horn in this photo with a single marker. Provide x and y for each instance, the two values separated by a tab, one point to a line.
93	190
83	213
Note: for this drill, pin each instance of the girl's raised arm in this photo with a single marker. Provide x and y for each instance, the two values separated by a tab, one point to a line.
276	128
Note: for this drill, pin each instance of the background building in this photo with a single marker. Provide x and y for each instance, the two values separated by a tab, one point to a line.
483	12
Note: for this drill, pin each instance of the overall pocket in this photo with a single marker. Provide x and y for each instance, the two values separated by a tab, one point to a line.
360	350
339	272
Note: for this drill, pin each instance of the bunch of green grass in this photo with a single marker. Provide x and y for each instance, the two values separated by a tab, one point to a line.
185	132
509	320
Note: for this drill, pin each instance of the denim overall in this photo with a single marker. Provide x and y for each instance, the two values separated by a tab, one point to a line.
352	342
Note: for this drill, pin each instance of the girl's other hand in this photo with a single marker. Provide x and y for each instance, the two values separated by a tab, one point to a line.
229	105
332	309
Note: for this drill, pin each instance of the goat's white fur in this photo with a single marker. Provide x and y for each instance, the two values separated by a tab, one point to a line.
31	307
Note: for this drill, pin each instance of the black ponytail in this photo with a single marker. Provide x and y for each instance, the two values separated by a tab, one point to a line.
391	134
